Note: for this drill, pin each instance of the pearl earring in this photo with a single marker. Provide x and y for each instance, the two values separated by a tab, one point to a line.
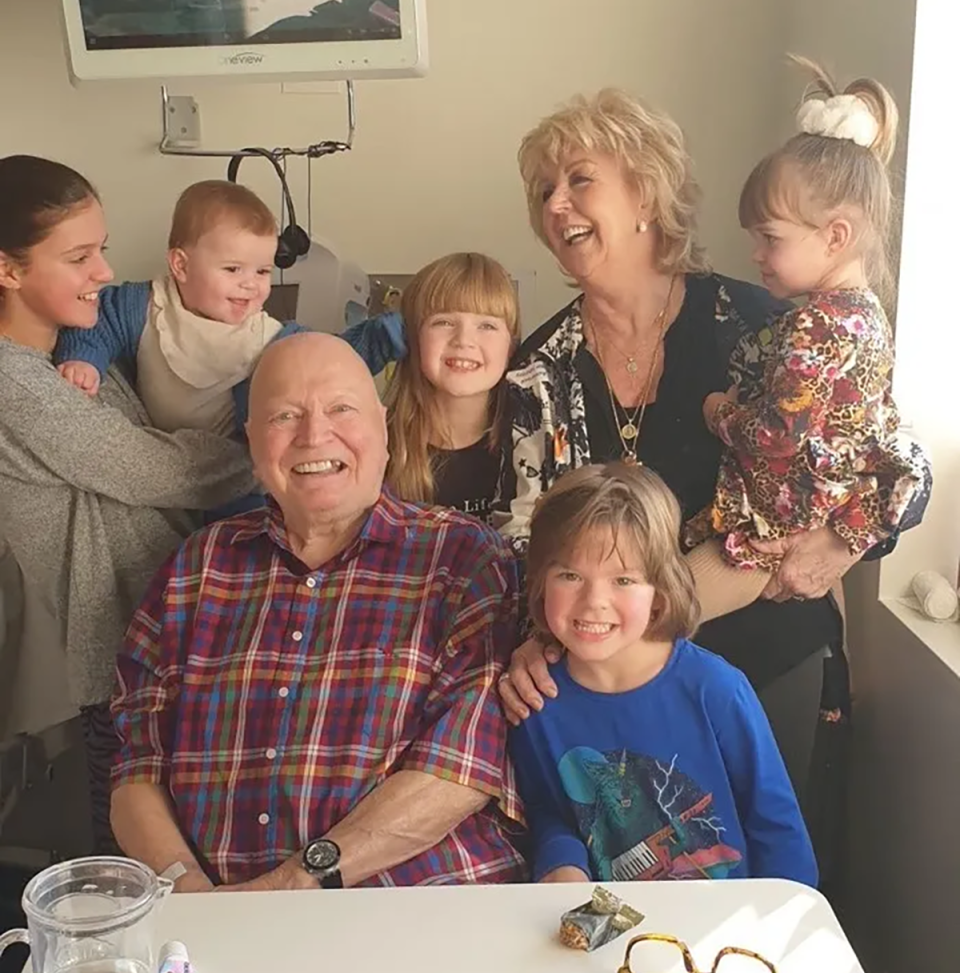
642	226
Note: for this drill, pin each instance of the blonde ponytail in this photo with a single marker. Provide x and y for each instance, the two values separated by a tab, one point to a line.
825	168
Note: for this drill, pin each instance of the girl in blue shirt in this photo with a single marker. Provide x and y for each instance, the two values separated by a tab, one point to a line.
655	759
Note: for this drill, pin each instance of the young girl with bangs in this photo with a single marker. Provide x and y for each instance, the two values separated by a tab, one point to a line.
445	401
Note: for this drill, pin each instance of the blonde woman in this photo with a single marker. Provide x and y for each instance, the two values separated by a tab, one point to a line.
445	401
622	372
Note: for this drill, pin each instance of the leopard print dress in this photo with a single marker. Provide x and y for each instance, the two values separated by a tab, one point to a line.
815	442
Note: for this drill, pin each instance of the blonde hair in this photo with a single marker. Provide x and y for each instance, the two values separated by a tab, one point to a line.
637	507
648	145
465	282
813	175
207	204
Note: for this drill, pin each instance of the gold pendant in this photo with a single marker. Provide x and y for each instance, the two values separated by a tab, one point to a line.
631	459
631	366
629	431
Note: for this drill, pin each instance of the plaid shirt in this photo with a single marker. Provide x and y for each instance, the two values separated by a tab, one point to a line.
270	700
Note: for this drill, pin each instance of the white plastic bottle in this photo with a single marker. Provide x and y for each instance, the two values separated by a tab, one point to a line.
174	958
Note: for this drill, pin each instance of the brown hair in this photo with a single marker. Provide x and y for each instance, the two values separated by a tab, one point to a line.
206	204
468	282
650	148
637	507
812	176
35	196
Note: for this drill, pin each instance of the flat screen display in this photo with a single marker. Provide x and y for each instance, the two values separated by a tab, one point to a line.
133	24
260	39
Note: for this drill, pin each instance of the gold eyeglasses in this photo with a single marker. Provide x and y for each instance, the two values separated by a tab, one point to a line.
718	965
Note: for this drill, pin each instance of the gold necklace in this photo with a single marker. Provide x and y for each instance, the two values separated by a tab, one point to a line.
631	361
629	432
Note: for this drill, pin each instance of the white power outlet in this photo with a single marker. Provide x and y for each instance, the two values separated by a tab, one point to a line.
183	121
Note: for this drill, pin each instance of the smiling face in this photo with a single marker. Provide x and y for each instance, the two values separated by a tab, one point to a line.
597	602
226	274
590	215
64	273
317	430
464	354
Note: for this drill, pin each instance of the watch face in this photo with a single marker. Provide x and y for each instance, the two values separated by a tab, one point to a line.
321	855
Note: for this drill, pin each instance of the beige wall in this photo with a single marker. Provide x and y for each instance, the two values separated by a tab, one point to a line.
434	165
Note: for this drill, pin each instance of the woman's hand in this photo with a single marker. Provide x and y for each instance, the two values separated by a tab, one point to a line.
521	686
813	562
713	402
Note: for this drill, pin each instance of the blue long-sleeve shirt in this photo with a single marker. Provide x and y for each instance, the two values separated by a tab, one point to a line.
123	316
680	778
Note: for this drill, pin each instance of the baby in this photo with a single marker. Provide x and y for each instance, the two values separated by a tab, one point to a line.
194	336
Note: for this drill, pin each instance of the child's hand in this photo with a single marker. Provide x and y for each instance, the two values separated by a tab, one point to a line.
713	402
566	873
82	374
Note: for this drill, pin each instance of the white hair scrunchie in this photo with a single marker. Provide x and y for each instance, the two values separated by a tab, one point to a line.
840	117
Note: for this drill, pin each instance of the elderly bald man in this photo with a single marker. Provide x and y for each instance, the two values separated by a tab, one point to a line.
307	692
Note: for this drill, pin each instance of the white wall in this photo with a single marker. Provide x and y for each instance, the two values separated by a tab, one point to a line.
434	165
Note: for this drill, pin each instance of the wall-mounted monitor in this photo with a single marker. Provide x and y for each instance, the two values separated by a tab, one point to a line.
253	40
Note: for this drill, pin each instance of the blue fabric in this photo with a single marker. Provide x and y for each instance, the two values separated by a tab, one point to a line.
116	336
680	778
379	340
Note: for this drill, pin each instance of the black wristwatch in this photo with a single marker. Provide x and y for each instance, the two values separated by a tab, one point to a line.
321	859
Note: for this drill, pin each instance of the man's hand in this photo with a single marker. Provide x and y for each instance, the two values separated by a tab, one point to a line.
82	374
713	402
813	561
290	876
195	880
566	873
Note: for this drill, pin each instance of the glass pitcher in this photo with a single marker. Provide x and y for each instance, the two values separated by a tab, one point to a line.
91	915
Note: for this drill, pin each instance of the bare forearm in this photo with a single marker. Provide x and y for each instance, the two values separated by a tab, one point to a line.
407	814
146	829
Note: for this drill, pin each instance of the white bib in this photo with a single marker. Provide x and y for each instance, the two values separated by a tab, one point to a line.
187	364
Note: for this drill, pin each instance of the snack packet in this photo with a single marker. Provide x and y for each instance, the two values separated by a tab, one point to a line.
597	922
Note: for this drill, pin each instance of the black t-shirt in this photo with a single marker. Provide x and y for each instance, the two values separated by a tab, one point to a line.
765	639
466	479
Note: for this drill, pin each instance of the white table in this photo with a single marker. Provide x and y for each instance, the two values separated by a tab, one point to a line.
497	929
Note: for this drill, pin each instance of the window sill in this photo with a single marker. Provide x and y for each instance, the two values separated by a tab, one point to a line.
941	638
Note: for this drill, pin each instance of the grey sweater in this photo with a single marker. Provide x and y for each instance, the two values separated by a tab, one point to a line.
92	502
